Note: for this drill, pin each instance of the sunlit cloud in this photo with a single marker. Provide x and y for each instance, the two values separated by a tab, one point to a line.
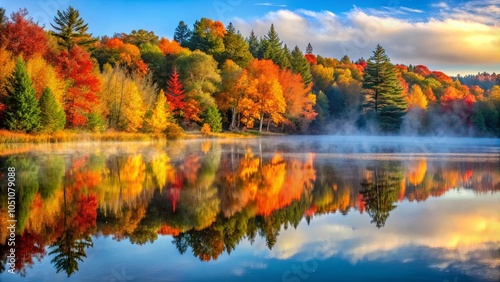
451	39
462	237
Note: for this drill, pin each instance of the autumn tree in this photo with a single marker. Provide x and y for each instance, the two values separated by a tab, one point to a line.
52	115
44	75
299	99
233	86
22	113
82	83
170	47
160	114
322	77
71	30
175	94
182	34
384	95
417	98
125	108
7	64
23	36
264	96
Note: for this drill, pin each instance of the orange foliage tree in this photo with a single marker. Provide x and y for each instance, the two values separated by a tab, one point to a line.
265	92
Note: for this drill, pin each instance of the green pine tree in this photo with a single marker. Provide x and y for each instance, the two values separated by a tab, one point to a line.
254	45
182	34
52	116
272	48
22	113
384	93
309	49
214	119
287	56
236	48
71	29
300	65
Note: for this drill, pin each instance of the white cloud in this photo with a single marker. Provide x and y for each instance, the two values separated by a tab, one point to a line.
452	40
268	4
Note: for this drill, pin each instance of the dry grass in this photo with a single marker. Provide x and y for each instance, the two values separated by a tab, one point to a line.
68	136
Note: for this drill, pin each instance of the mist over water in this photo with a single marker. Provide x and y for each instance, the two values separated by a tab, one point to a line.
247	209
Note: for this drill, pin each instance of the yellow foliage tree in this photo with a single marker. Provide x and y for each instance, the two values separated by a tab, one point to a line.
44	75
159	118
7	64
417	99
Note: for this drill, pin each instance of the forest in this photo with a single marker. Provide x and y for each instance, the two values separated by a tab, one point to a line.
212	78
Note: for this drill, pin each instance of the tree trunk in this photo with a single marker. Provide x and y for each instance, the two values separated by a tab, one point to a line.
268	123
233	120
261	121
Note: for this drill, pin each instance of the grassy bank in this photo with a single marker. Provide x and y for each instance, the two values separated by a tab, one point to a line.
68	136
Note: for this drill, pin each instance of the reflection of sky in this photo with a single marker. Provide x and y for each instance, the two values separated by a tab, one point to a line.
454	236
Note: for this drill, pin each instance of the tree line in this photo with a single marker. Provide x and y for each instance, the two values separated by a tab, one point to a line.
212	76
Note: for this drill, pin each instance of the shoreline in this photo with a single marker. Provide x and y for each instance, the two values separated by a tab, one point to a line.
7	137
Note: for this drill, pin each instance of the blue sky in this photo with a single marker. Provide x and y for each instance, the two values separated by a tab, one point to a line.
453	36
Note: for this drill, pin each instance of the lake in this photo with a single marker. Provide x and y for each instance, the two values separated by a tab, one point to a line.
305	208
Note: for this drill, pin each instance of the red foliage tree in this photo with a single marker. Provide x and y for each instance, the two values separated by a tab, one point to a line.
23	36
175	94
311	59
83	85
441	77
422	70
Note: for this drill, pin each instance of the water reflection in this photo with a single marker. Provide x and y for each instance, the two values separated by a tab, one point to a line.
210	196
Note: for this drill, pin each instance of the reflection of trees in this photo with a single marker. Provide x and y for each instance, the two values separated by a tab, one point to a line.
79	218
209	198
26	186
68	250
380	189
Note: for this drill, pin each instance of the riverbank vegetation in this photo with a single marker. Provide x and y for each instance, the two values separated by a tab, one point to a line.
64	84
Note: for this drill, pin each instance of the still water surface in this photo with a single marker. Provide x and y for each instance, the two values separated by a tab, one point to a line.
272	209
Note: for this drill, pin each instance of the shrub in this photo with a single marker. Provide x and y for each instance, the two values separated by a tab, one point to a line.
205	129
173	131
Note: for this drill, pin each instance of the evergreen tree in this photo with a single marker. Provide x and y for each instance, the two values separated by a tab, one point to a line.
272	48
254	45
309	49
214	119
384	93
236	48
287	56
300	65
207	37
52	116
71	29
22	112
345	60
182	34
